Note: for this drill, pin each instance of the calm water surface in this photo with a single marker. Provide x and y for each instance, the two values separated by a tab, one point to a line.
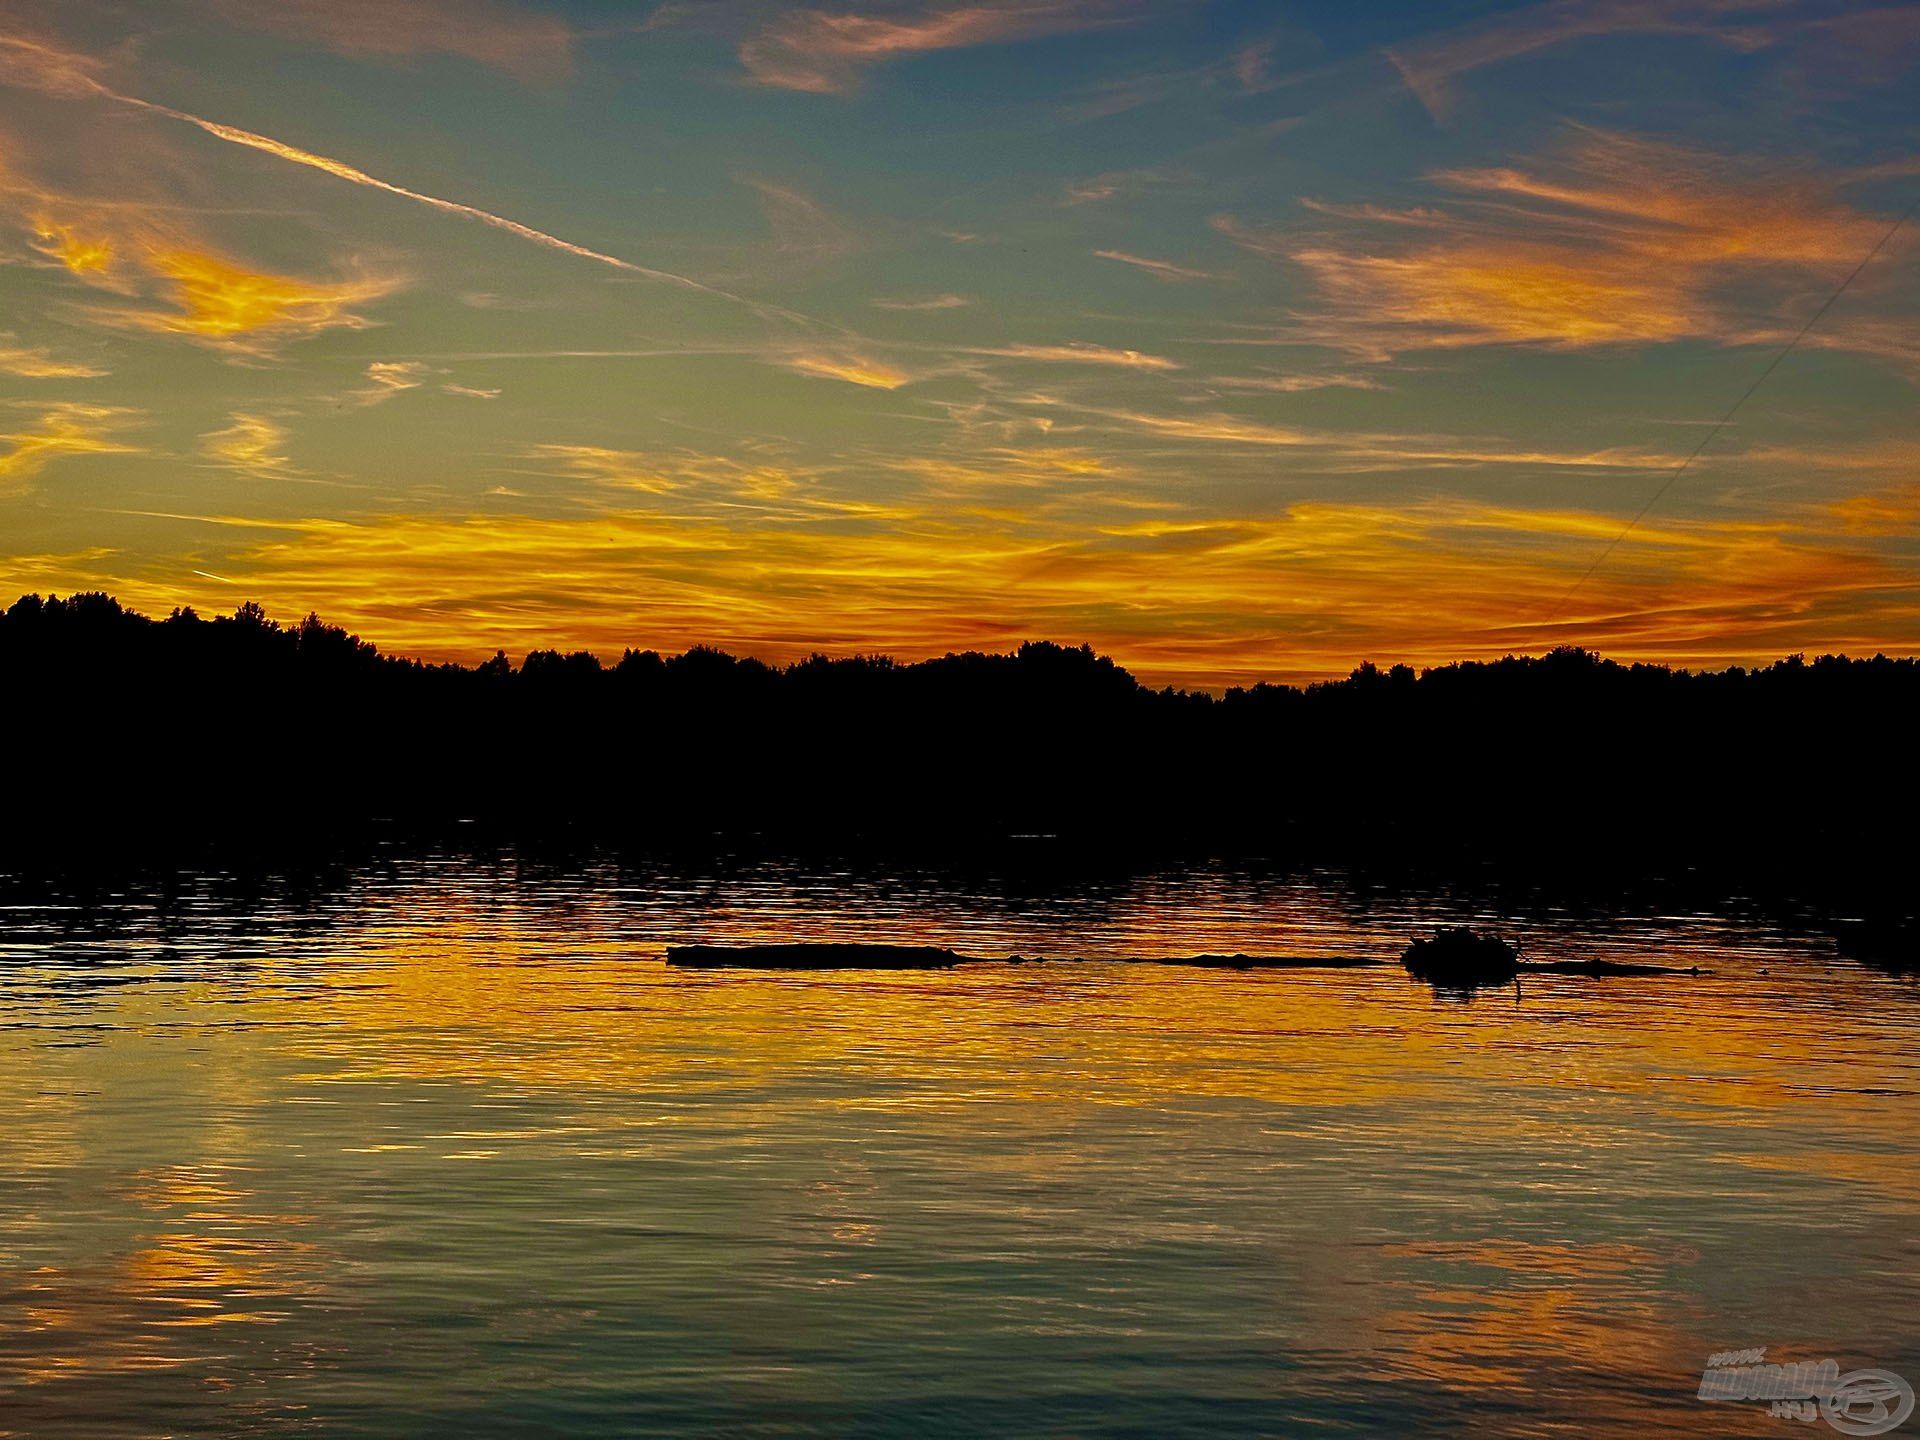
442	1148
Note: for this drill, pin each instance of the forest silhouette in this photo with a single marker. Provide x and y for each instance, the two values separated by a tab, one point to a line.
118	723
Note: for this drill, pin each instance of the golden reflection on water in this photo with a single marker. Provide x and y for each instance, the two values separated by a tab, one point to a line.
342	1160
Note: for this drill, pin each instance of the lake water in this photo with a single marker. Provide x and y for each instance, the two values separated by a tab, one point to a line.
438	1146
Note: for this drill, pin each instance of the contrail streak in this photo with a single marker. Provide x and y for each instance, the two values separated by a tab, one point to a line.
62	75
339	169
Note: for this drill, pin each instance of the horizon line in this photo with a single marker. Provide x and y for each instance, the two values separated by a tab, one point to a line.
601	660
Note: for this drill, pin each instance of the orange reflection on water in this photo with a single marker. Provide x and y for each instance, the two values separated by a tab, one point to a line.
195	1259
493	1109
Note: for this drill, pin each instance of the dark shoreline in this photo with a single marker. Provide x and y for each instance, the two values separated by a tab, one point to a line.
141	745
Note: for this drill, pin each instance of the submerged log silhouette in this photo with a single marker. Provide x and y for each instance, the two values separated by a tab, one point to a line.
822	956
856	955
1603	968
1261	962
1453	959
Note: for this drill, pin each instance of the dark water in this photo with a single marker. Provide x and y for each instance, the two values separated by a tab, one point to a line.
441	1147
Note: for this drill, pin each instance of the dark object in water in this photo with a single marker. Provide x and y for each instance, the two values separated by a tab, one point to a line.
827	956
1264	962
1603	968
1882	942
1460	958
855	956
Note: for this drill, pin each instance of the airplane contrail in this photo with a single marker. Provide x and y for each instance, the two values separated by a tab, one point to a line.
339	169
59	74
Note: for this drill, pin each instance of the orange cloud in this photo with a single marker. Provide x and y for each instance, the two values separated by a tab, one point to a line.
524	43
1360	452
83	255
37	363
1194	598
226	304
388	378
1893	512
175	283
1610	241
854	369
1501	294
66	429
252	445
823	52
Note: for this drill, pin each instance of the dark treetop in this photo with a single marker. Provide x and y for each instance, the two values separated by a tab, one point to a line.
115	721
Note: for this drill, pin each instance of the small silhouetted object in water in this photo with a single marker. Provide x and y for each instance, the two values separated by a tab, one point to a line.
1883	942
1461	958
1604	969
823	956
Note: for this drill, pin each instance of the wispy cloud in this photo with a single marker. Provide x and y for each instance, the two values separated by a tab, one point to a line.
226	304
1159	269
37	363
252	445
852	368
1091	192
525	43
1250	63
605	466
388	378
700	484
1230	429
170	282
1113	184
1431	66
35	62
164	276
1078	354
1220	434
923	302
824	52
803	231
1295	384
1609	240
59	430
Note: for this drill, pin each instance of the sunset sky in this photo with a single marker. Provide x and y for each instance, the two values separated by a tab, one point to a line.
1241	340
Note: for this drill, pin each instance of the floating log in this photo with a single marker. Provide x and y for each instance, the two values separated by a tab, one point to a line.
1603	968
1262	962
1452	959
824	956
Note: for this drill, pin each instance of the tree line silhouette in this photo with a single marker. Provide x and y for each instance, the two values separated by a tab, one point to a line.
241	726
